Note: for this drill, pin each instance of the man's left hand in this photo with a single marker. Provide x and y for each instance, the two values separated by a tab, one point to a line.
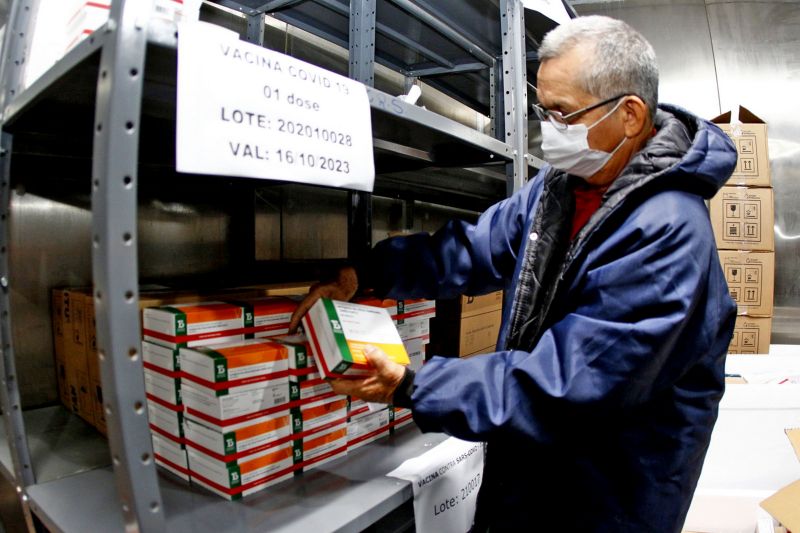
380	385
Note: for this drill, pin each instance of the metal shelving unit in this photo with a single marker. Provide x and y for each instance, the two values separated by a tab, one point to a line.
125	72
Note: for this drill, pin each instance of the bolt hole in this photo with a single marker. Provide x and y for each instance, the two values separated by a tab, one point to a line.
154	507
145	458
127	239
99	295
134	72
104	74
138	408
127	181
133	353
129	126
96	184
99	127
129	296
116	460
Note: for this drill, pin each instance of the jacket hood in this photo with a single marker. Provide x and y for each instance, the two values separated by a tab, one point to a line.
686	153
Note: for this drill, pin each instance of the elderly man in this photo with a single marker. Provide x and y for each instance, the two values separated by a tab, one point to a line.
598	406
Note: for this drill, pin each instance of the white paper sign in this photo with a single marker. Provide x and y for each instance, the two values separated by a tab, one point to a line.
244	110
446	481
552	9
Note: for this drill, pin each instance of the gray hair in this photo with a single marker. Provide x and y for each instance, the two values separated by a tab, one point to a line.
623	61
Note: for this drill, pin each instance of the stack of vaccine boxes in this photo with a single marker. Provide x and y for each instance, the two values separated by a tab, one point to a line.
742	214
230	409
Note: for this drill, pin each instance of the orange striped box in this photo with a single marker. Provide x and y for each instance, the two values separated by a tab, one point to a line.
232	441
320	448
236	405
340	331
234	365
308	387
327	412
400	417
367	428
270	315
163	385
234	479
171	457
165	420
194	324
160	357
298	350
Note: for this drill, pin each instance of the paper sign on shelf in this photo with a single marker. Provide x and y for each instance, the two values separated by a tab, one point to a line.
552	9
445	481
243	110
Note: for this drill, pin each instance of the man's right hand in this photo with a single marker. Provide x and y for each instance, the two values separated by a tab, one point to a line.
342	288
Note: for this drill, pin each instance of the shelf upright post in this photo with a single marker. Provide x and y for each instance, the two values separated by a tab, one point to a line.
115	263
515	92
255	29
362	69
16	43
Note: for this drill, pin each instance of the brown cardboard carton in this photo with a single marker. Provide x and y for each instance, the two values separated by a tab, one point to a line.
57	315
750	137
467	306
75	349
783	505
743	219
468	336
751	280
751	335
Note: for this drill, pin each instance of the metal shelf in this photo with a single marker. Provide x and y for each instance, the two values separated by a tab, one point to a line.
452	44
61	444
406	137
348	494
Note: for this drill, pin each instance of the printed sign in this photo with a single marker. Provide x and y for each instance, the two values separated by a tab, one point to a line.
445	481
244	110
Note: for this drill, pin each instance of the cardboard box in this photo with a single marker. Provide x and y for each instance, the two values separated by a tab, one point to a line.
415	329
750	137
269	315
340	331
466	306
467	336
233	441
57	315
783	505
400	417
319	415
171	457
163	385
232	365
743	219
194	324
235	405
166	419
75	304
415	310
366	429
235	479
100	412
308	388
320	448
416	353
751	280
751	335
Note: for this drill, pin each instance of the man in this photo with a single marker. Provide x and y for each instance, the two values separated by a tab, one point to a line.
598	406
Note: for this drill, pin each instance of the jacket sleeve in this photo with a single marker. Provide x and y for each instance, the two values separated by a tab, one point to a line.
460	258
612	352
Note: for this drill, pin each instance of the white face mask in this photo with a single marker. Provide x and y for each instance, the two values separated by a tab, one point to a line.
568	149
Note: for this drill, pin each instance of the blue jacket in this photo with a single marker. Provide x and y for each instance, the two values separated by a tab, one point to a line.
598	406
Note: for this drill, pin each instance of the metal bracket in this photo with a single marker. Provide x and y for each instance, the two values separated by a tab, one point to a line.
115	263
255	29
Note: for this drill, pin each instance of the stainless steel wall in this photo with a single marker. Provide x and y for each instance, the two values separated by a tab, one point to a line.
717	55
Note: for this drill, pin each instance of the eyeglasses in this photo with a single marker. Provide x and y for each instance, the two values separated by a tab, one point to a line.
562	121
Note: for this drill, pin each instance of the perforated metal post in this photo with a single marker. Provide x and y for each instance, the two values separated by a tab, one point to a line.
115	263
515	95
15	51
362	68
255	29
